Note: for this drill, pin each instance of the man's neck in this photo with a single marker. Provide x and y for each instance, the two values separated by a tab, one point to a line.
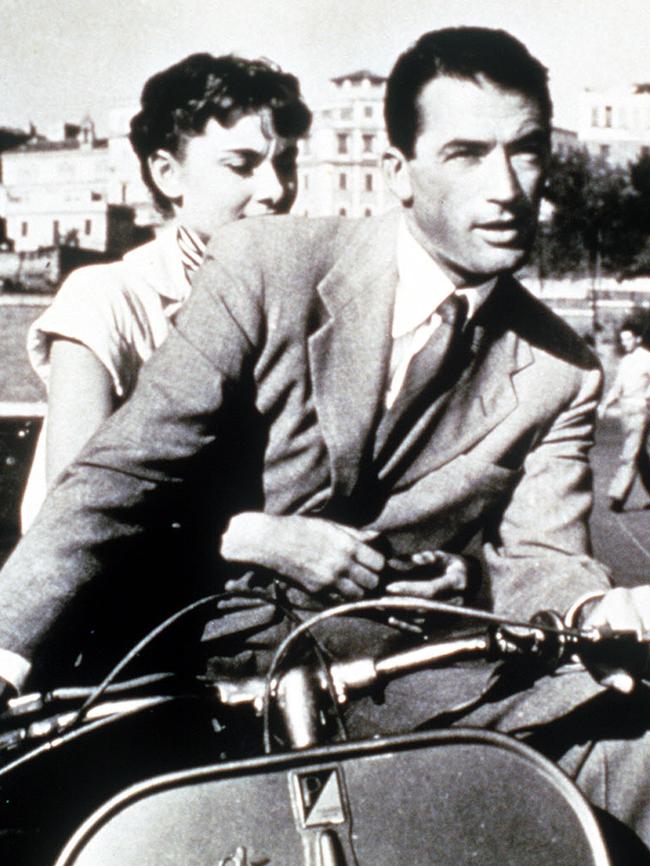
460	278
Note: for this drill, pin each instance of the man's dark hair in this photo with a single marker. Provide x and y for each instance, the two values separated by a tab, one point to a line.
464	53
639	325
177	102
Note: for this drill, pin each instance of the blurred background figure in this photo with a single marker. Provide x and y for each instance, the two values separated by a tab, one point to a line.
631	391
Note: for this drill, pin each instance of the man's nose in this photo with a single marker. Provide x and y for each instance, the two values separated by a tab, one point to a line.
503	183
269	189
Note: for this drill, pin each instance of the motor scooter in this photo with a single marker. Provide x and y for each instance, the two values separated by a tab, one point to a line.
158	770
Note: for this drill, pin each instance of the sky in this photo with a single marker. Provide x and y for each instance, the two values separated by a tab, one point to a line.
61	59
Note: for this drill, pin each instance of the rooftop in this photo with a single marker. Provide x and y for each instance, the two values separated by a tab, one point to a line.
65	144
360	75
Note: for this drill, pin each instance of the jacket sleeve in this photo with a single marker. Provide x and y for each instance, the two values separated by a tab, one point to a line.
538	551
120	487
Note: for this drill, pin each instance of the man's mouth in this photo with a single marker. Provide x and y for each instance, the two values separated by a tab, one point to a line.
503	232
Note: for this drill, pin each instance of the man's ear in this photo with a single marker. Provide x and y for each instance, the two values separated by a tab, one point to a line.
166	174
396	171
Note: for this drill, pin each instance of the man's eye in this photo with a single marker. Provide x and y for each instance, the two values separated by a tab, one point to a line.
463	155
533	152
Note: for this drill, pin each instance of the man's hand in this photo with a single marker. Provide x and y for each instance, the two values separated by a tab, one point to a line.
430	574
621	610
318	555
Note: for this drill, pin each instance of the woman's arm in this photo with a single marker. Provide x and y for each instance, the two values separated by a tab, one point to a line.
80	397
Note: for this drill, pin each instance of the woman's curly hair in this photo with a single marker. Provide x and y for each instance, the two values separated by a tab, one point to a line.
177	102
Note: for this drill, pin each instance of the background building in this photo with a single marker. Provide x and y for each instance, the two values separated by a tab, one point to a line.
614	122
56	192
339	164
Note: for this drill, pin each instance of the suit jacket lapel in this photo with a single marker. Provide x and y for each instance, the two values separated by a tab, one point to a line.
483	397
349	353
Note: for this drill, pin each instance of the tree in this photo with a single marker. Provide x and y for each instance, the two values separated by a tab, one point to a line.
594	226
640	214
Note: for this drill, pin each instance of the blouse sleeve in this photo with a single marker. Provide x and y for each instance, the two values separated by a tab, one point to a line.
89	309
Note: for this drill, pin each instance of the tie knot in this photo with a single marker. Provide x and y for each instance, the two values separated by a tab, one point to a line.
454	310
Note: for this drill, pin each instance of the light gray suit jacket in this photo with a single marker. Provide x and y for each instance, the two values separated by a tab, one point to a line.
278	368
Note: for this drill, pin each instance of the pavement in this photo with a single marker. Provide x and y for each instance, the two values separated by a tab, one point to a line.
622	541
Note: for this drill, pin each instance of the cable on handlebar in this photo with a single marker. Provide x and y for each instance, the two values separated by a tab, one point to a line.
385	603
156	632
215	598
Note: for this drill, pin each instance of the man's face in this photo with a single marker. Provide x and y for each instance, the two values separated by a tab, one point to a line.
629	341
472	189
224	174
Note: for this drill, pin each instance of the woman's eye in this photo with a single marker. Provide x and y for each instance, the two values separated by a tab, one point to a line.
243	169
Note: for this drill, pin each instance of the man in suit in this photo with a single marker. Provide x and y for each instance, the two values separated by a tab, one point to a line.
348	394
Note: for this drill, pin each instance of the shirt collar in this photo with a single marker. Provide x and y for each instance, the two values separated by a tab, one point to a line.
423	285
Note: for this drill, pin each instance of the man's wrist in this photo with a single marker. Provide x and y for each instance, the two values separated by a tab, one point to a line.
581	607
14	669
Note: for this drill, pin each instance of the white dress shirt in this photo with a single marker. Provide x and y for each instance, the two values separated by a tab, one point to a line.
422	287
632	384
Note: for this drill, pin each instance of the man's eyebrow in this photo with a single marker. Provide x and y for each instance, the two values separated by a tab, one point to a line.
537	134
465	143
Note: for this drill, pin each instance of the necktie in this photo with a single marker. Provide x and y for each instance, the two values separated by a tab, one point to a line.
431	372
442	347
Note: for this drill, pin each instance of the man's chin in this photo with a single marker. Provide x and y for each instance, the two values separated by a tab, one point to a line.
504	260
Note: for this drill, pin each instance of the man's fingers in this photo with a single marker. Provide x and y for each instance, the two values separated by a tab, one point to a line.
364	578
621	610
369	558
618	680
426	588
615	662
428	557
349	589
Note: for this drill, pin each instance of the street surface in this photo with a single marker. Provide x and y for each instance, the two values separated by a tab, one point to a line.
622	541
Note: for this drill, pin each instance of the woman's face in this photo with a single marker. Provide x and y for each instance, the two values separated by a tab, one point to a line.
227	173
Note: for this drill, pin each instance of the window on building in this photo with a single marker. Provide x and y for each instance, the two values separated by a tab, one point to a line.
55	231
608	116
369	183
594	116
342	211
342	138
305	181
368	142
367	111
367	212
24	229
88	226
343	181
346	113
95	196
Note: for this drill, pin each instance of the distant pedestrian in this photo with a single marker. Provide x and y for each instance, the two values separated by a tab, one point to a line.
631	390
